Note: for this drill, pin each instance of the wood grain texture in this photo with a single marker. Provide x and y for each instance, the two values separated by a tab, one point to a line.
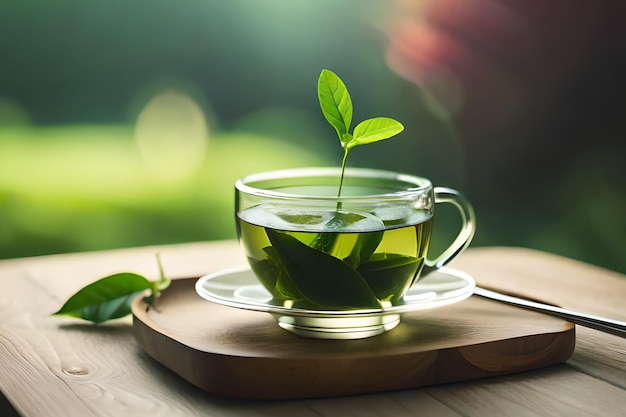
53	366
244	354
570	284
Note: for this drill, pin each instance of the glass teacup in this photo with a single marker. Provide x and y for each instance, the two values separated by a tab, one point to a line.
358	252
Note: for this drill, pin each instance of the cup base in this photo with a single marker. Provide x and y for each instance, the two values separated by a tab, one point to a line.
342	328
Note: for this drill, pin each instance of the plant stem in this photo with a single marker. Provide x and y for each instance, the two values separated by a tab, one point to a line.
343	169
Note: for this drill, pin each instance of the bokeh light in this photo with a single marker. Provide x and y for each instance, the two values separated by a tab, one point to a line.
172	136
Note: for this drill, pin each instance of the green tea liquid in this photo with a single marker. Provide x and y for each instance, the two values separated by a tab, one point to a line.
334	259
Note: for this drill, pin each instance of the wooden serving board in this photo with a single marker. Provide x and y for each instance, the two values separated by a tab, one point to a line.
244	354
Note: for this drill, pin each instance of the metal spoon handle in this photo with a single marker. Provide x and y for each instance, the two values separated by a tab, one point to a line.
615	327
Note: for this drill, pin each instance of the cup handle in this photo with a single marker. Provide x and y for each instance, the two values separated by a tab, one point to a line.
464	238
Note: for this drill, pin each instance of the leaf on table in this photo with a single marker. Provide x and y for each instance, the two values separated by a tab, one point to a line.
106	299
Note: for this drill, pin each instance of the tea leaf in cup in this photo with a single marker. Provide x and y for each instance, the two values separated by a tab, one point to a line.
386	274
321	278
273	275
364	247
340	221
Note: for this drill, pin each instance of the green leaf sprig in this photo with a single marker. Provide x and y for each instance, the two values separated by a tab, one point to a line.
309	274
336	106
111	297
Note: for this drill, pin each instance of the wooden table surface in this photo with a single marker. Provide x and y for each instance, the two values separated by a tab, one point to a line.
57	366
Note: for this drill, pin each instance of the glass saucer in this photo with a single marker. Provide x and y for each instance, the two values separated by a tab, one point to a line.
239	288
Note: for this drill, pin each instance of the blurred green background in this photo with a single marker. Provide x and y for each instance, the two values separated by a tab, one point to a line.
126	123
